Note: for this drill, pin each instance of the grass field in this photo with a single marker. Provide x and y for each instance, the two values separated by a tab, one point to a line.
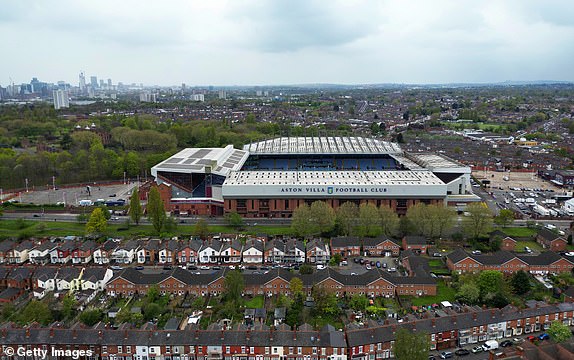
443	292
24	229
255	303
436	263
531	244
519	231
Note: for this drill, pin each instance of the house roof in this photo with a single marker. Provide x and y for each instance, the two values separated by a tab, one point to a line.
377	241
549	235
458	255
415	240
345	241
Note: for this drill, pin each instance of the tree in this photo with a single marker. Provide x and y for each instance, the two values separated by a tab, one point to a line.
411	345
151	311
305	269
479	220
300	223
444	218
201	229
369	220
420	217
105	211
347	218
389	220
520	282
490	282
36	311
135	210
97	223
323	216
155	210
325	301
359	302
91	317
559	332
504	218
233	285
468	293
335	259
296	286
68	306
234	220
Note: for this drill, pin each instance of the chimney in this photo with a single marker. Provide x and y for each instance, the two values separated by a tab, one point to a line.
196	334
125	334
27	332
474	316
454	319
100	334
294	335
394	329
75	334
271	333
492	313
222	335
51	333
248	336
433	323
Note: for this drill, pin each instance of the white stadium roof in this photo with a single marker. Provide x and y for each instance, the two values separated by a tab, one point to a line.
322	145
333	183
218	161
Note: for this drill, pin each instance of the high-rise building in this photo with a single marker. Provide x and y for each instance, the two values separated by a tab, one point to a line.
146	96
94	81
82	82
222	94
61	99
102	83
109	83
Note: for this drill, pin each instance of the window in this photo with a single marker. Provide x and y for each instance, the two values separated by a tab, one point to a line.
299	350
120	349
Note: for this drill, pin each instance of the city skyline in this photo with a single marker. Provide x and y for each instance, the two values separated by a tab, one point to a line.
225	43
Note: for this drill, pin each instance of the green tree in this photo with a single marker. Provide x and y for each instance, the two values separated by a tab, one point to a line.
151	311
478	221
105	211
490	282
504	218
369	220
300	223
201	229
69	304
36	311
347	218
420	217
155	210
444	217
322	216
559	332
305	269
389	220
359	302
335	259
411	345
97	223
296	286
520	282
135	210
325	301
468	293
91	317
152	294
233	284
234	220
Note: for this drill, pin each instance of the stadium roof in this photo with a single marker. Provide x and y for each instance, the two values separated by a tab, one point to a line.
218	161
438	163
322	145
323	184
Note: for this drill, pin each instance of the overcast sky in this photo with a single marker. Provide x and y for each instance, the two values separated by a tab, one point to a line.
259	42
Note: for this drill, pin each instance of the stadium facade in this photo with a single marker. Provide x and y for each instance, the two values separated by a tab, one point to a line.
272	178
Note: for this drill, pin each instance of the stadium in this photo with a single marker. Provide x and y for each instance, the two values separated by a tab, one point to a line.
272	178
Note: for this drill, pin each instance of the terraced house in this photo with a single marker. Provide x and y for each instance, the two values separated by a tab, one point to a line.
274	282
447	329
507	262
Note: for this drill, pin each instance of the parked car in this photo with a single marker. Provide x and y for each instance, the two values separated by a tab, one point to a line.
531	338
204	267
462	352
167	267
384	265
191	267
115	267
139	267
476	252
378	264
527	250
368	267
431	357
544	336
517	340
477	349
506	343
392	269
362	261
445	355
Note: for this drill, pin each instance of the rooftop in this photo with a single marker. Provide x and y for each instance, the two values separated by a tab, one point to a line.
322	145
219	161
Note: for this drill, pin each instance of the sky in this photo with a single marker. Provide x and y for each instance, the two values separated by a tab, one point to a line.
279	42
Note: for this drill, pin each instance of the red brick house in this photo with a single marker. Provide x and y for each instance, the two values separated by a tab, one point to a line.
507	243
416	243
551	241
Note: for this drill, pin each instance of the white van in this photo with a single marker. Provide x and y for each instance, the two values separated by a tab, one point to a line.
86	202
490	345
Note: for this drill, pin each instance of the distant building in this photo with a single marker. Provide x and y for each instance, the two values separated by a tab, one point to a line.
61	99
148	97
222	94
94	81
197	97
82	82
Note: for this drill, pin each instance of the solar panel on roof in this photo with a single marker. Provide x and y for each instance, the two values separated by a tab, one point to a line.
173	160
201	153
